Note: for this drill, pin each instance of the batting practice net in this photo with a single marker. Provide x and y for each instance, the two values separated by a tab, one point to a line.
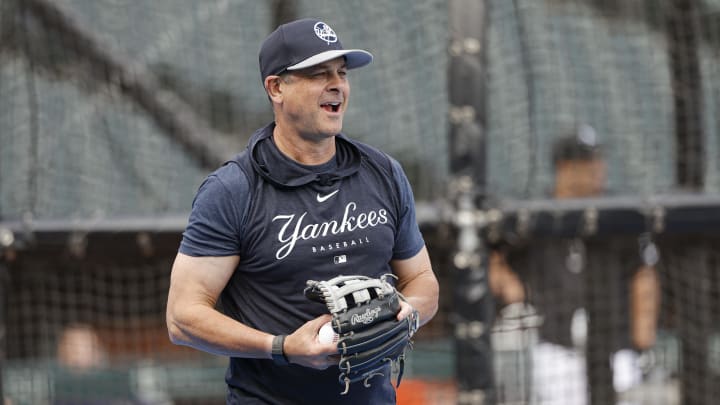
563	154
597	201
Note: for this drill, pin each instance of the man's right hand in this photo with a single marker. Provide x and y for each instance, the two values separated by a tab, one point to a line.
302	347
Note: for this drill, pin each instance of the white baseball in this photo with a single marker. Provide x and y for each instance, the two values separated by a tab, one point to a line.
326	334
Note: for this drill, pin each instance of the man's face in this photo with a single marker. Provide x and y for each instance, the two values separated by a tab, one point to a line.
314	100
580	178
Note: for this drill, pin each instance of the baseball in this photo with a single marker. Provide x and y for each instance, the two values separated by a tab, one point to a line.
326	334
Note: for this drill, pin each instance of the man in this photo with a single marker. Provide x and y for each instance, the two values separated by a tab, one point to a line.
551	276
557	291
302	202
543	281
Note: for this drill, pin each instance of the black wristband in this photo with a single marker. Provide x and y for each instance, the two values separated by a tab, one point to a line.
278	352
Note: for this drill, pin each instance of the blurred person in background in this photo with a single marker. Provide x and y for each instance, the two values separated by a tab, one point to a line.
84	375
579	172
303	202
556	292
79	349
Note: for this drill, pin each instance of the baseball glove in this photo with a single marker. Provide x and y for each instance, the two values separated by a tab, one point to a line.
364	315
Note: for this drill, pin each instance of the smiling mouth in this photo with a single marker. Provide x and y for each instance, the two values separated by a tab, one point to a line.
331	107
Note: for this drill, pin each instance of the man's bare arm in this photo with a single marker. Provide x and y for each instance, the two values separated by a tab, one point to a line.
192	320
418	284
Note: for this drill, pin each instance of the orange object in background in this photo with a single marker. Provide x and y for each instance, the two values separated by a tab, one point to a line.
426	392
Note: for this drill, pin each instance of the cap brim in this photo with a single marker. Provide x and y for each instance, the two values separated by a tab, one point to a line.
354	58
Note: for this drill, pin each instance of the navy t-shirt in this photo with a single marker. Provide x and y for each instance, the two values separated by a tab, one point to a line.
290	223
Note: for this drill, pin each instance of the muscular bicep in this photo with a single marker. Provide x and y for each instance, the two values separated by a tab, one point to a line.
192	319
199	280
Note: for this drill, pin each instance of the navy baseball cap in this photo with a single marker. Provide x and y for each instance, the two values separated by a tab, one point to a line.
303	43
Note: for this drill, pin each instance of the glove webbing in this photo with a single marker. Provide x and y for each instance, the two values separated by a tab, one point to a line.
336	294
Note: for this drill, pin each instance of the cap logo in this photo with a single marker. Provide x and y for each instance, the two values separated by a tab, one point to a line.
324	32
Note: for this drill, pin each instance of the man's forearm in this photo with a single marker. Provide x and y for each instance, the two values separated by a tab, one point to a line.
206	329
422	293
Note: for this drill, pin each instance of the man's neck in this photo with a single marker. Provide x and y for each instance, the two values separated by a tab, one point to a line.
304	150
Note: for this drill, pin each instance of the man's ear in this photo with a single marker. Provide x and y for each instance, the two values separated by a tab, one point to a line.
273	87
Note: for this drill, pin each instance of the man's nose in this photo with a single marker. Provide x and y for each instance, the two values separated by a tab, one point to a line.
336	81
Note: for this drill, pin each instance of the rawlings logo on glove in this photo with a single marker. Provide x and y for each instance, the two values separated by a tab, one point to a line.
364	315
367	318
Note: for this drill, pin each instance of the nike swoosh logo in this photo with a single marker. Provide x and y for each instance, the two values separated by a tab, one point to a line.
323	198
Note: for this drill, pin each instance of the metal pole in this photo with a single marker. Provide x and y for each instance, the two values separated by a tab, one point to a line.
474	306
3	327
